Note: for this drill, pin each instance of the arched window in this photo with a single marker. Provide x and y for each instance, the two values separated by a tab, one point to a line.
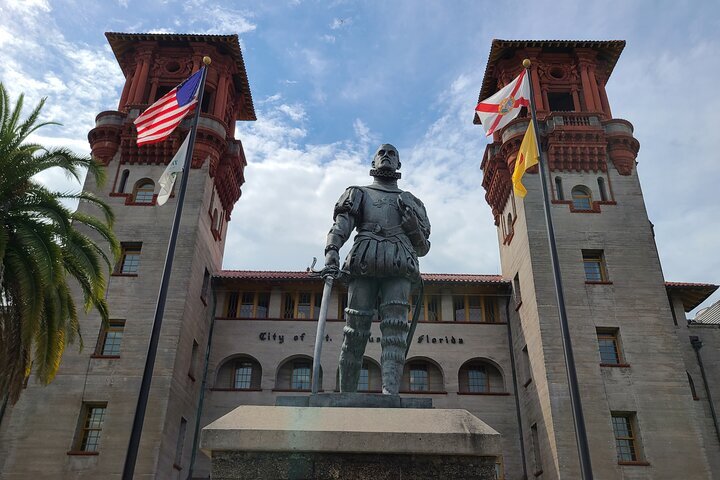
422	375
559	189
480	376
123	181
143	191
370	377
240	372
510	224
581	198
601	187
295	374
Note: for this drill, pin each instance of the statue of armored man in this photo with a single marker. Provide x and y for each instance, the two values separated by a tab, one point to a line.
393	230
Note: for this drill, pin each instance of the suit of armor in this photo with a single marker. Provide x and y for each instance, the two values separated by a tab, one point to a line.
382	264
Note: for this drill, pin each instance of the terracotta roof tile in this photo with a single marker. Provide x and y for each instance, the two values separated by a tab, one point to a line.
295	275
691	294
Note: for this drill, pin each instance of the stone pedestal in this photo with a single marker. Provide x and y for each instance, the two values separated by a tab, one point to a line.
285	442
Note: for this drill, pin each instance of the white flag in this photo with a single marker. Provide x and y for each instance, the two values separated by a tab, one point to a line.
167	180
498	110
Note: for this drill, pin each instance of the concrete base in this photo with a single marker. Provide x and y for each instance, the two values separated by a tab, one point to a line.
359	443
320	466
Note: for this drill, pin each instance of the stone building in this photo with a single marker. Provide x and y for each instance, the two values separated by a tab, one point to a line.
490	344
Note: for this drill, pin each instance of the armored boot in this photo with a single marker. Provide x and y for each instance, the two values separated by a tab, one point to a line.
355	336
394	328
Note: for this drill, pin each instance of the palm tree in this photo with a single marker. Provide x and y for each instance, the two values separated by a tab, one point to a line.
43	244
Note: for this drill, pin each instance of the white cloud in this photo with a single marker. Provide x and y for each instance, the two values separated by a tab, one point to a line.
296	112
28	7
209	18
286	207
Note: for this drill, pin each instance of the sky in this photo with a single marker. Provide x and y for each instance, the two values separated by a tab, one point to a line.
331	80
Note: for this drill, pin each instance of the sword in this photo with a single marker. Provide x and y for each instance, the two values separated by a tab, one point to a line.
328	274
414	321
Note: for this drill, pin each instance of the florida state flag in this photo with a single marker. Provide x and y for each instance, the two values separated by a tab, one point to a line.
497	111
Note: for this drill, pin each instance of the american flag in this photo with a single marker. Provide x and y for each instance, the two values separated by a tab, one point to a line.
162	117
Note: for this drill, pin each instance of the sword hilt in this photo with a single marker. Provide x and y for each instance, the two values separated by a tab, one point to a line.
327	270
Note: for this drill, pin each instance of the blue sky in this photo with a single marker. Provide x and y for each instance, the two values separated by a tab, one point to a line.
332	79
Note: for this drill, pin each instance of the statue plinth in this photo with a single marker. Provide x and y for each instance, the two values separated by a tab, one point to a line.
284	442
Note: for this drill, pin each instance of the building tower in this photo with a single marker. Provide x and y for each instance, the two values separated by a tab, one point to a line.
52	431
637	404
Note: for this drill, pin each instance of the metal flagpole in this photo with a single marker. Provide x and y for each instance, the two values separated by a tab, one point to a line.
136	432
576	404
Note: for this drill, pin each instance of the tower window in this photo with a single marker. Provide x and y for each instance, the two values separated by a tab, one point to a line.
626	440
559	189
91	422
207	101
581	198
692	386
516	290
609	346
129	259
193	360
123	181
110	339
205	286
601	187
162	90
561	102
527	369
537	459
144	191
180	446
594	263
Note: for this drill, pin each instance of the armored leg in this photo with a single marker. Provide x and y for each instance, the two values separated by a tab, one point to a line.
358	318
355	337
394	327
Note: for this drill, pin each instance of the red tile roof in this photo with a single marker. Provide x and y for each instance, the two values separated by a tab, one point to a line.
691	294
295	275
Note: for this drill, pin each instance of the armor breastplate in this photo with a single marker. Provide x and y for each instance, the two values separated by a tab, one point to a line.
381	208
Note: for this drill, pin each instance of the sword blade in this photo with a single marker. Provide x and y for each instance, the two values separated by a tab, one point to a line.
320	334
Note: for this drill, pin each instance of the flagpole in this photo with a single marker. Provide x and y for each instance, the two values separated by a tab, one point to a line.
575	402
136	432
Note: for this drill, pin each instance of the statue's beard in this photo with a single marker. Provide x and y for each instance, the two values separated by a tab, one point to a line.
385	173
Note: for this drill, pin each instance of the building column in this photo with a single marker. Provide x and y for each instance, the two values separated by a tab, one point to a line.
595	89
125	92
275	307
142	80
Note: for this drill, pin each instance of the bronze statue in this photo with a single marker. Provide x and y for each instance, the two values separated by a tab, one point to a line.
393	230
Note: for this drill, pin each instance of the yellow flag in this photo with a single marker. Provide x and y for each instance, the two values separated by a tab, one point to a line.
527	157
